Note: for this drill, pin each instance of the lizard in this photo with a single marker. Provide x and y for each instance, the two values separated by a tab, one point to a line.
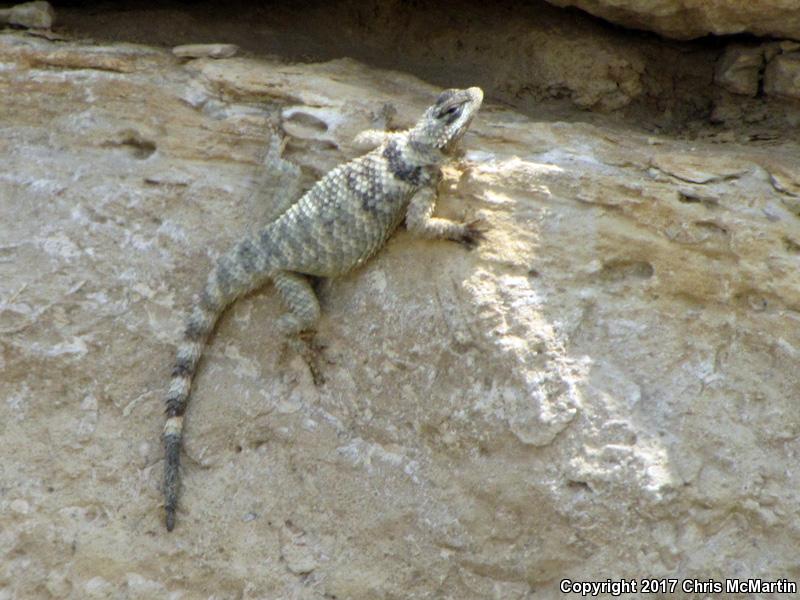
339	223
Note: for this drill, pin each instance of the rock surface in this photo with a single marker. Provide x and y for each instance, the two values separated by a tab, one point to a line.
687	19
740	69
30	14
529	54
770	67
606	388
540	61
782	76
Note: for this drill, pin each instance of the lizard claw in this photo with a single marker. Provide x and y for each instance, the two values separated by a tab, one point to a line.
313	354
473	233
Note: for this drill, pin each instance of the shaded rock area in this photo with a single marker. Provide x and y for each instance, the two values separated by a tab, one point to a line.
771	69
605	388
529	55
782	76
687	19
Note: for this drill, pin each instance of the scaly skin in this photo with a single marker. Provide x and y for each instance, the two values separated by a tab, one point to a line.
336	226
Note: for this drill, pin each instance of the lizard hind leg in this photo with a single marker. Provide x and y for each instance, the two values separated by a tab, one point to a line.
298	324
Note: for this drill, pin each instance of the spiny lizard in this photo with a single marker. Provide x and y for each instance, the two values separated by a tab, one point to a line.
338	224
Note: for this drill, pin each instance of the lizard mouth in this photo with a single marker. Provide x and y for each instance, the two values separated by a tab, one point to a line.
456	139
477	96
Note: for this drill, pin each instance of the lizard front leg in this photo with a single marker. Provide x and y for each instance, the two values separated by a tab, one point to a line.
420	220
297	294
279	180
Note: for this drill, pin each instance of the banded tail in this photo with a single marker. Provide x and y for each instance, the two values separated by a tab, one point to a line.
236	273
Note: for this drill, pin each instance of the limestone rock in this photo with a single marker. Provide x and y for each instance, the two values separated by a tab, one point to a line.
782	76
739	69
30	14
687	19
605	388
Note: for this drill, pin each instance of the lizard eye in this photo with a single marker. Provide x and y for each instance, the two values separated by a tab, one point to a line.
452	113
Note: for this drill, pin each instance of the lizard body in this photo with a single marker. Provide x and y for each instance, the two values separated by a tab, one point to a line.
336	226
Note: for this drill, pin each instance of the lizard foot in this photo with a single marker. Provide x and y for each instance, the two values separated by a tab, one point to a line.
473	233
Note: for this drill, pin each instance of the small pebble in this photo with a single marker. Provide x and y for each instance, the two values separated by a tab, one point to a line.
205	50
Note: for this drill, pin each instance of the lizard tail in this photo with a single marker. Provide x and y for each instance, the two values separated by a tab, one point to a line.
225	283
245	268
198	327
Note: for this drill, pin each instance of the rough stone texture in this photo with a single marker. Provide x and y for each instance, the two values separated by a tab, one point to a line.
29	14
739	69
687	19
529	55
606	388
782	76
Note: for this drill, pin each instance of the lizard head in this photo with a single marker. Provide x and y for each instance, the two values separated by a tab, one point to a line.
446	122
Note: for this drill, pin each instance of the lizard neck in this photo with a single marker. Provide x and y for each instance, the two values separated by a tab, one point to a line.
407	164
420	152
